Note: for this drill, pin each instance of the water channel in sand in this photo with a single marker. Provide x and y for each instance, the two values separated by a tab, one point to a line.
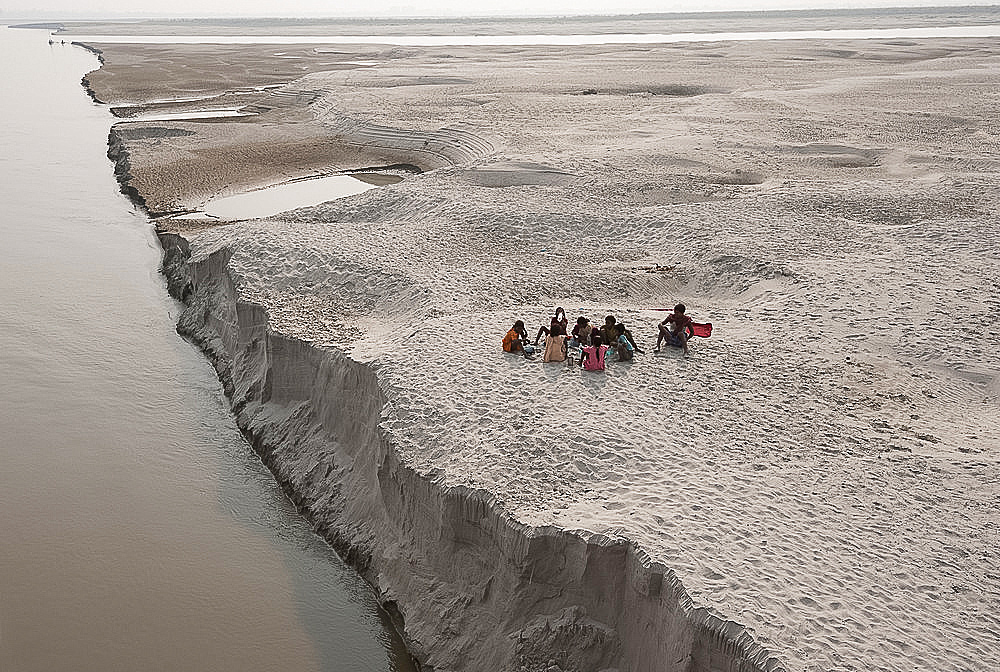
221	113
289	196
139	531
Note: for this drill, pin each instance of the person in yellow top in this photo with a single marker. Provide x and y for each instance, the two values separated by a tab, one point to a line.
516	340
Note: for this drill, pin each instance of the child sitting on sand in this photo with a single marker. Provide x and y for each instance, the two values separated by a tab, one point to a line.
608	330
592	356
610	334
622	346
581	332
555	345
516	340
558	320
676	329
628	337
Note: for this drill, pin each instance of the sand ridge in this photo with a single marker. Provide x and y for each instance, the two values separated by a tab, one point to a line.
824	468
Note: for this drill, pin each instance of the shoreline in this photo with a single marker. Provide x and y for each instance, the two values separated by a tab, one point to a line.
586	39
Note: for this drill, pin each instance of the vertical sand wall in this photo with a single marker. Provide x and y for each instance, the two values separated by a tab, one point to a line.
475	589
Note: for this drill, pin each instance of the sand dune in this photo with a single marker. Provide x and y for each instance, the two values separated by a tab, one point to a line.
823	470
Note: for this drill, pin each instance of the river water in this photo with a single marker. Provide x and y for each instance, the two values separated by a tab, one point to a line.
138	531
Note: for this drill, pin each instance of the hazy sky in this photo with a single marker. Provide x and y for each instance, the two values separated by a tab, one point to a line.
71	8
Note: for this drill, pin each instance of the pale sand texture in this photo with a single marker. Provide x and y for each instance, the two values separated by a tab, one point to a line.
824	468
666	23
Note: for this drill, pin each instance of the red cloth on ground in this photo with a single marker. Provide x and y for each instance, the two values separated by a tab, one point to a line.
703	329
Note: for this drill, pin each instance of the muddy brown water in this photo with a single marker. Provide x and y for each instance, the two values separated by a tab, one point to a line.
138	531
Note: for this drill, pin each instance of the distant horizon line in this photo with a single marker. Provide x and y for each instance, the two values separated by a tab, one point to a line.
53	15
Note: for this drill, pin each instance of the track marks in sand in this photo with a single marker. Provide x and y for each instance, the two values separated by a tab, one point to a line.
448	145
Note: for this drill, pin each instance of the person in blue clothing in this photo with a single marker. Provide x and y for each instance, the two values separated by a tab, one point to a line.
622	344
628	337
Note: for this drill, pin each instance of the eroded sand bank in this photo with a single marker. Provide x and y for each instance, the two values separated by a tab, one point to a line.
822	471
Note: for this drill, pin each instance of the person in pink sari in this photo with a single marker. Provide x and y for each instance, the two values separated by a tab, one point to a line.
592	356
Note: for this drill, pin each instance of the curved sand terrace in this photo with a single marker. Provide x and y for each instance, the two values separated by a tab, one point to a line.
823	470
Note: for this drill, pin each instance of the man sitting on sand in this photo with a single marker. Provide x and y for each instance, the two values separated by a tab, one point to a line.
516	340
676	329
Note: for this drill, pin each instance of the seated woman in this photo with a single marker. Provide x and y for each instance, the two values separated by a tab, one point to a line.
559	319
592	356
555	345
516	340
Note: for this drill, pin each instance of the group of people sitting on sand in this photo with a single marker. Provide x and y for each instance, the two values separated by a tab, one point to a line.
595	343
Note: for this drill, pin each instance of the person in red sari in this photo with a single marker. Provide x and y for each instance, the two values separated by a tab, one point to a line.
559	320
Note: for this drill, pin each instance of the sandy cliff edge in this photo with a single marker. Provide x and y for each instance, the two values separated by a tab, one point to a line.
475	588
